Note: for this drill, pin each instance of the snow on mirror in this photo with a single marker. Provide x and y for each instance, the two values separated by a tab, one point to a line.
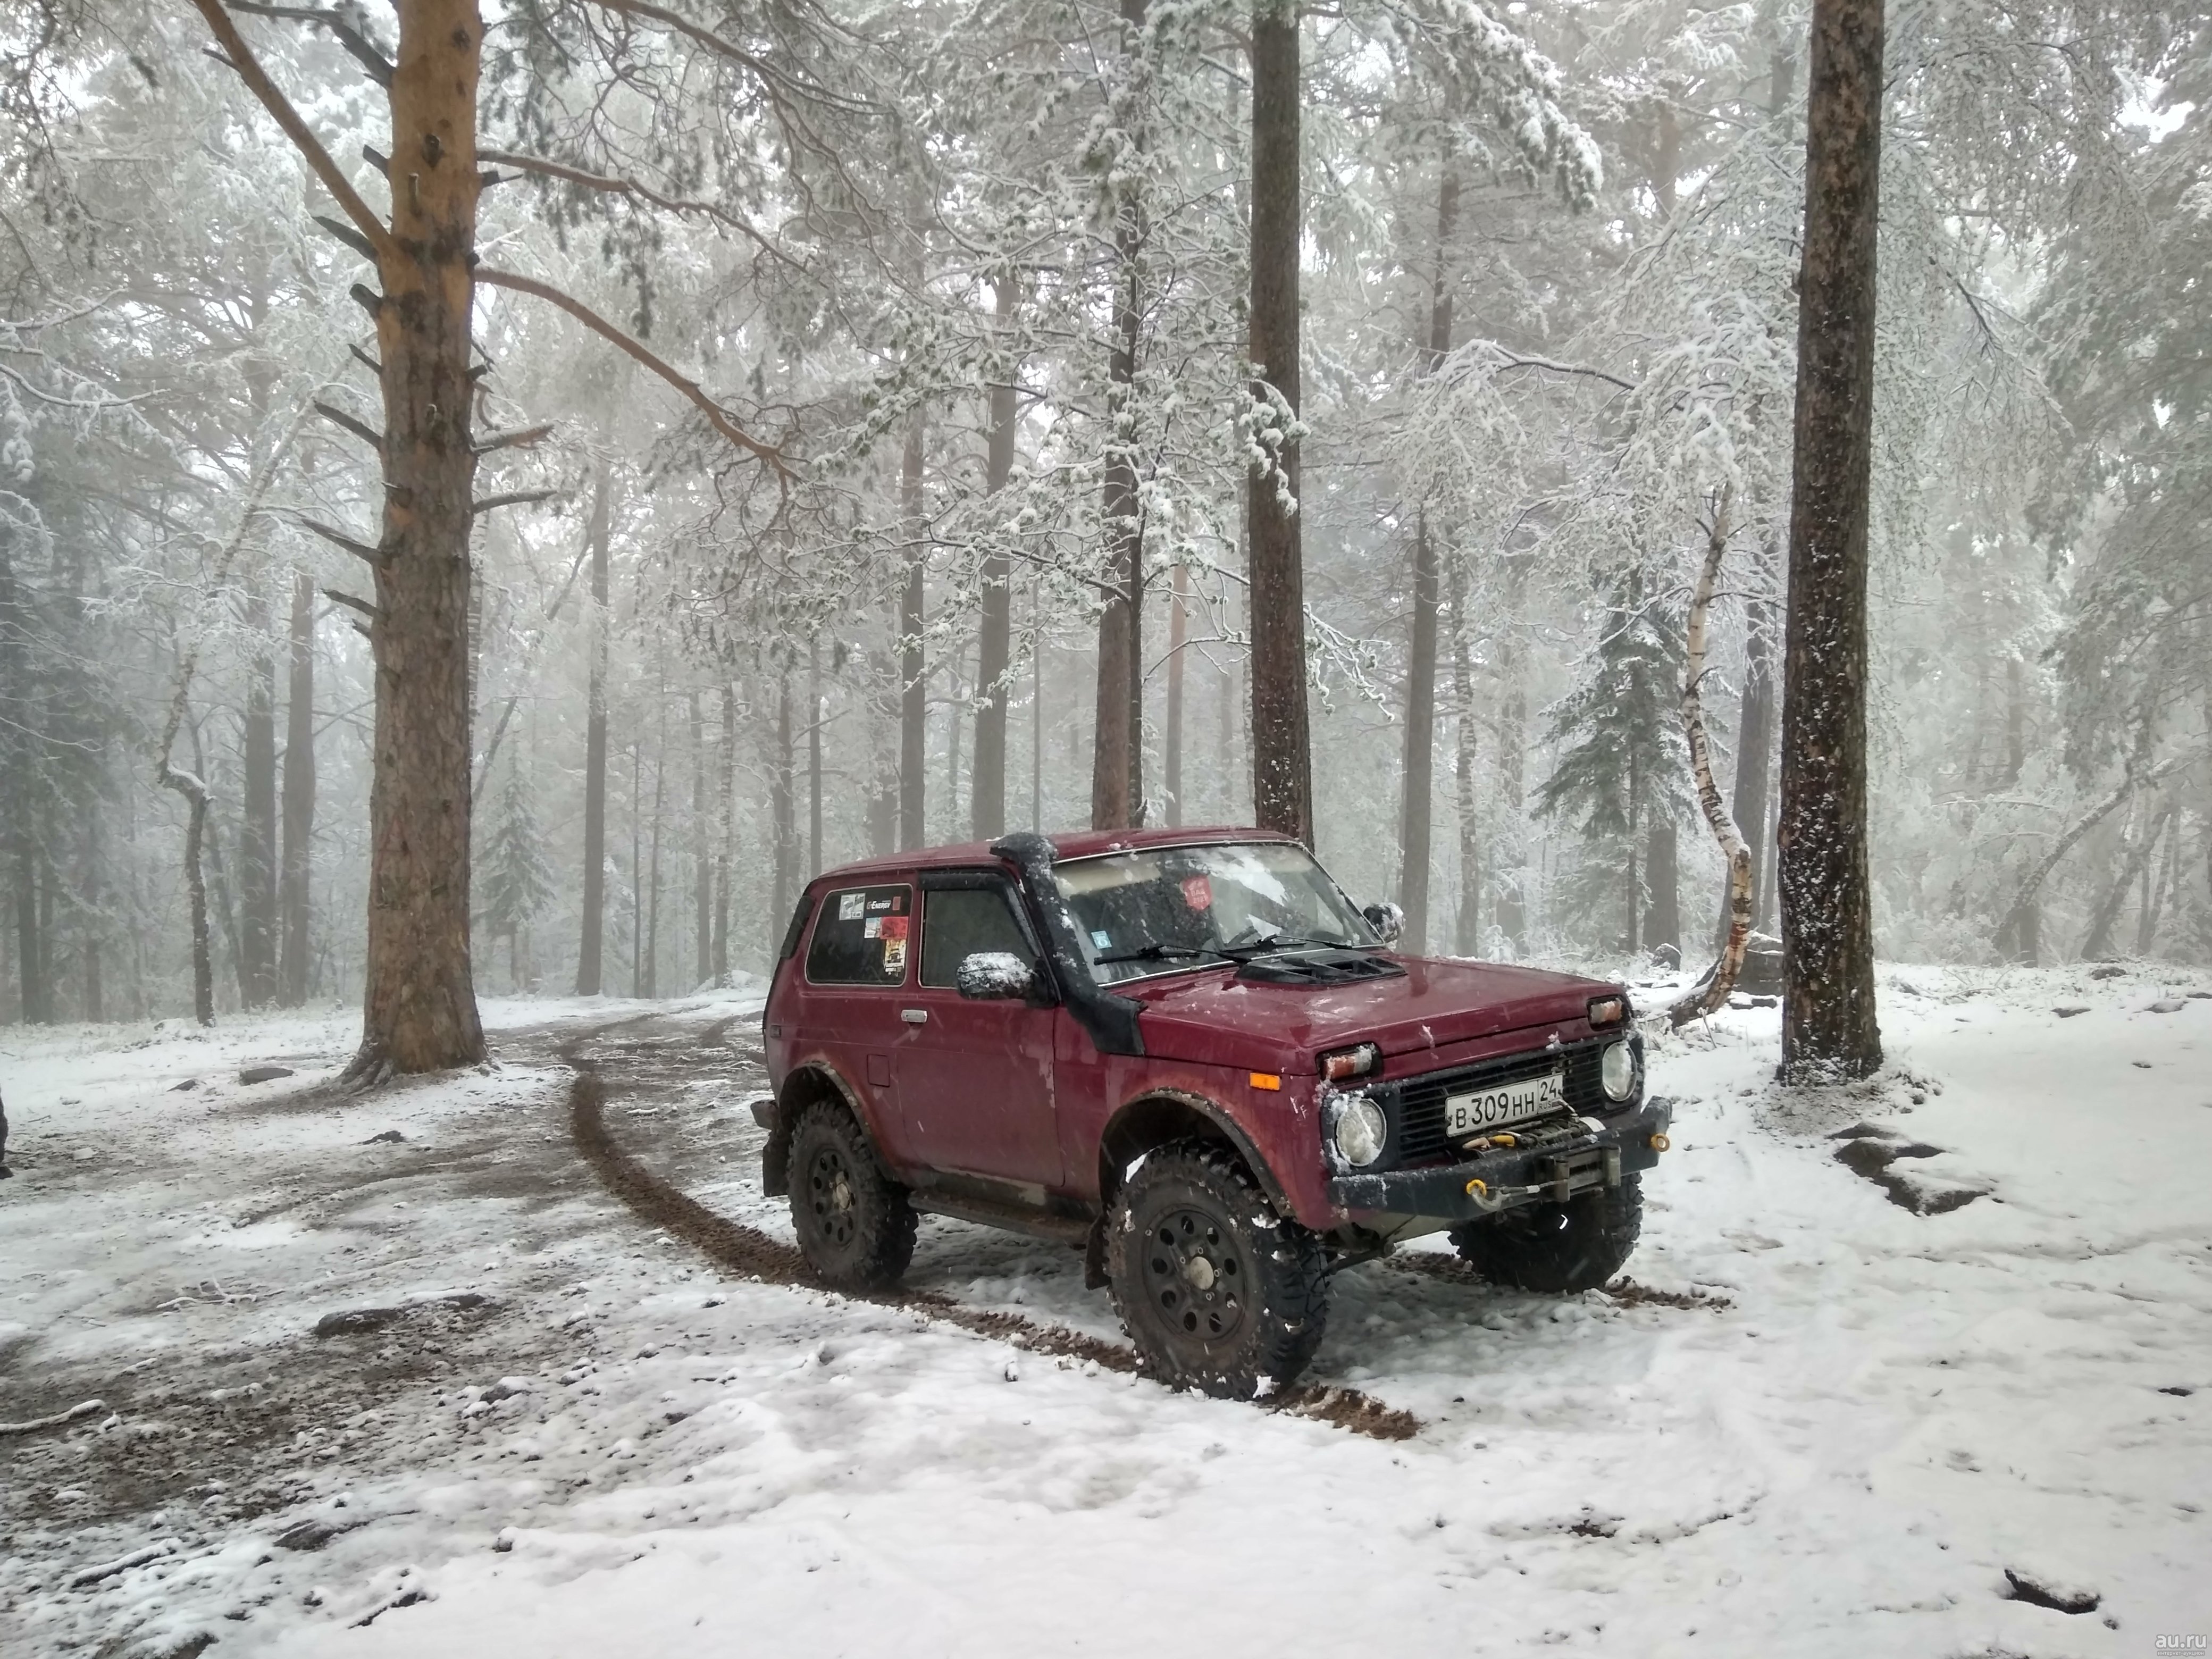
996	975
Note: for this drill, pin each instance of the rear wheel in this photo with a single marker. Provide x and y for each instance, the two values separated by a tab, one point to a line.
1559	1247
1219	1292
855	1227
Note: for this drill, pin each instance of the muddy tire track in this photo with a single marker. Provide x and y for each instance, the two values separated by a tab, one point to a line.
752	1254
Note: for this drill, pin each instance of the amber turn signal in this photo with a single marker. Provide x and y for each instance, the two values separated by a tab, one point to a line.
1350	1062
1608	1011
1266	1081
1660	1143
1478	1190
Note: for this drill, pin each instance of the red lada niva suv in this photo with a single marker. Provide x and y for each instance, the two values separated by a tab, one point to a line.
1188	1054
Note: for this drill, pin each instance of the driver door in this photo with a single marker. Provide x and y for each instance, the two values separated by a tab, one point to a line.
975	1076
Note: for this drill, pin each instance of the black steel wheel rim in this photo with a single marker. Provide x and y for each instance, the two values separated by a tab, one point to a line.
1196	1276
833	1197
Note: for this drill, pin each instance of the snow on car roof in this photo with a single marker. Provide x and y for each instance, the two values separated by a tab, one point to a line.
1070	844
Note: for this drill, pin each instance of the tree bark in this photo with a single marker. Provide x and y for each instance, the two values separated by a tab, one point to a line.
1117	789
725	779
589	951
419	1009
294	896
914	693
1829	1027
782	823
1467	924
995	631
814	766
1282	756
256	838
649	976
702	853
2097	945
1512	749
1171	739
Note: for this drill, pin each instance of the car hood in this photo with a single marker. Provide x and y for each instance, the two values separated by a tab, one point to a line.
1212	1016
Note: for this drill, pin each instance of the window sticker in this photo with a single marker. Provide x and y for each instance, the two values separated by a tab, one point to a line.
1198	892
893	957
892	927
872	928
851	906
1102	939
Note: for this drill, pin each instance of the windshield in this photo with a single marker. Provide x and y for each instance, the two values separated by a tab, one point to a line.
1178	907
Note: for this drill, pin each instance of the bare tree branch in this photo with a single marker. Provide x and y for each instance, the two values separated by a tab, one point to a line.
356	43
512	498
352	602
614	187
368	434
280	109
339	538
717	416
520	438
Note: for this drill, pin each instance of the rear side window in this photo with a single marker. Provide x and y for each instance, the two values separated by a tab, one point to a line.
861	938
797	930
957	922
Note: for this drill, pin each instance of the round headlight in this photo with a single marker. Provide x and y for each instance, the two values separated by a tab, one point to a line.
1616	1071
1360	1132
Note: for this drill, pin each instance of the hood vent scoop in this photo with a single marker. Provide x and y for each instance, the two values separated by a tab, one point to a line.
1319	968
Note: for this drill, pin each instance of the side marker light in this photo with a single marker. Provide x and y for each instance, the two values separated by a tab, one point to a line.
1660	1143
1266	1081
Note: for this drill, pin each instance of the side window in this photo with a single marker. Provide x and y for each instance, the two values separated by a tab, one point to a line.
862	936
959	921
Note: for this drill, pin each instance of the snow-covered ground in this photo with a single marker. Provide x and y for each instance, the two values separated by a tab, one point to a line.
550	1429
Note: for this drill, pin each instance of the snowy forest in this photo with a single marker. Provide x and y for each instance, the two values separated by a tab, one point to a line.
859	424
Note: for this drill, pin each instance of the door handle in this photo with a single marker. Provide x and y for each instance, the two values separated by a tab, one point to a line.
914	1016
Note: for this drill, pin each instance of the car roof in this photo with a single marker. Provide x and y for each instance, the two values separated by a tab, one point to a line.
1072	844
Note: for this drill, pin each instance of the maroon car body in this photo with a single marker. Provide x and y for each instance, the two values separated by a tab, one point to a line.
1023	1112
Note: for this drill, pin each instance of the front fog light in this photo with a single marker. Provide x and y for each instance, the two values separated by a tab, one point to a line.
1616	1070
1360	1132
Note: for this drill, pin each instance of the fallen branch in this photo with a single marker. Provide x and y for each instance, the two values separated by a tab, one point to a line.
137	1557
35	1423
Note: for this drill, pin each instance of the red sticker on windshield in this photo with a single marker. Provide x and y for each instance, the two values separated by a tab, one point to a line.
1198	892
894	926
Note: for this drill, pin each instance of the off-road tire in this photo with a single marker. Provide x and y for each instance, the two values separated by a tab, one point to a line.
855	1227
1561	1248
1248	1320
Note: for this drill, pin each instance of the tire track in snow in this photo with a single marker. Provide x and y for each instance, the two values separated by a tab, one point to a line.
752	1254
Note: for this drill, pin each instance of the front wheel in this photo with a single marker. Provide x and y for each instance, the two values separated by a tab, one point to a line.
1219	1292
1558	1247
855	1227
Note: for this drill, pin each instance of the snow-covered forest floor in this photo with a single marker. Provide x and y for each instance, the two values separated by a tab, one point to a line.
552	1430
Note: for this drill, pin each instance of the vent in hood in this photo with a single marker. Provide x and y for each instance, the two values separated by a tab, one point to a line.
1320	968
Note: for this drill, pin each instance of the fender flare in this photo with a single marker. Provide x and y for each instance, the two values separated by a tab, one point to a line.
1110	1174
807	1076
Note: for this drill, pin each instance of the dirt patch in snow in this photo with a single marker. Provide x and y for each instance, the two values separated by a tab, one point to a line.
747	1251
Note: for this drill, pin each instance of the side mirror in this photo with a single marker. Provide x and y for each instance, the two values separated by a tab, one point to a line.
1386	919
995	977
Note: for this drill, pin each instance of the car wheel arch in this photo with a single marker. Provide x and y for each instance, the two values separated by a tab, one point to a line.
812	1081
1160	1116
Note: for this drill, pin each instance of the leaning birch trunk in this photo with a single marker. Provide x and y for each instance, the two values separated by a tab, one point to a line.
1699	1003
2023	901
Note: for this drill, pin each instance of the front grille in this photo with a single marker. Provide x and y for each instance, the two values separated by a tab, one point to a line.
1419	1109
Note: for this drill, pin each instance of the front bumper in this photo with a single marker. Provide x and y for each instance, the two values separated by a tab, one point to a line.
1553	1170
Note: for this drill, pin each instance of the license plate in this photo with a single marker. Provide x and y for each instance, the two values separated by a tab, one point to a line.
1483	1109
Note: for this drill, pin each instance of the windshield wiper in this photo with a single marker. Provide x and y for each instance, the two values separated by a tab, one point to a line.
1157	953
1288	942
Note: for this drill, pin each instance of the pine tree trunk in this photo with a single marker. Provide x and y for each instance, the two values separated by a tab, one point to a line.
1416	804
702	854
1829	1027
2097	946
814	764
1512	741
1418	762
257	839
1663	915
195	899
1037	705
1466	923
589	973
995	631
649	985
1171	739
419	1000
914	694
783	823
725	774
1118	793
1635	943
293	903
1282	756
